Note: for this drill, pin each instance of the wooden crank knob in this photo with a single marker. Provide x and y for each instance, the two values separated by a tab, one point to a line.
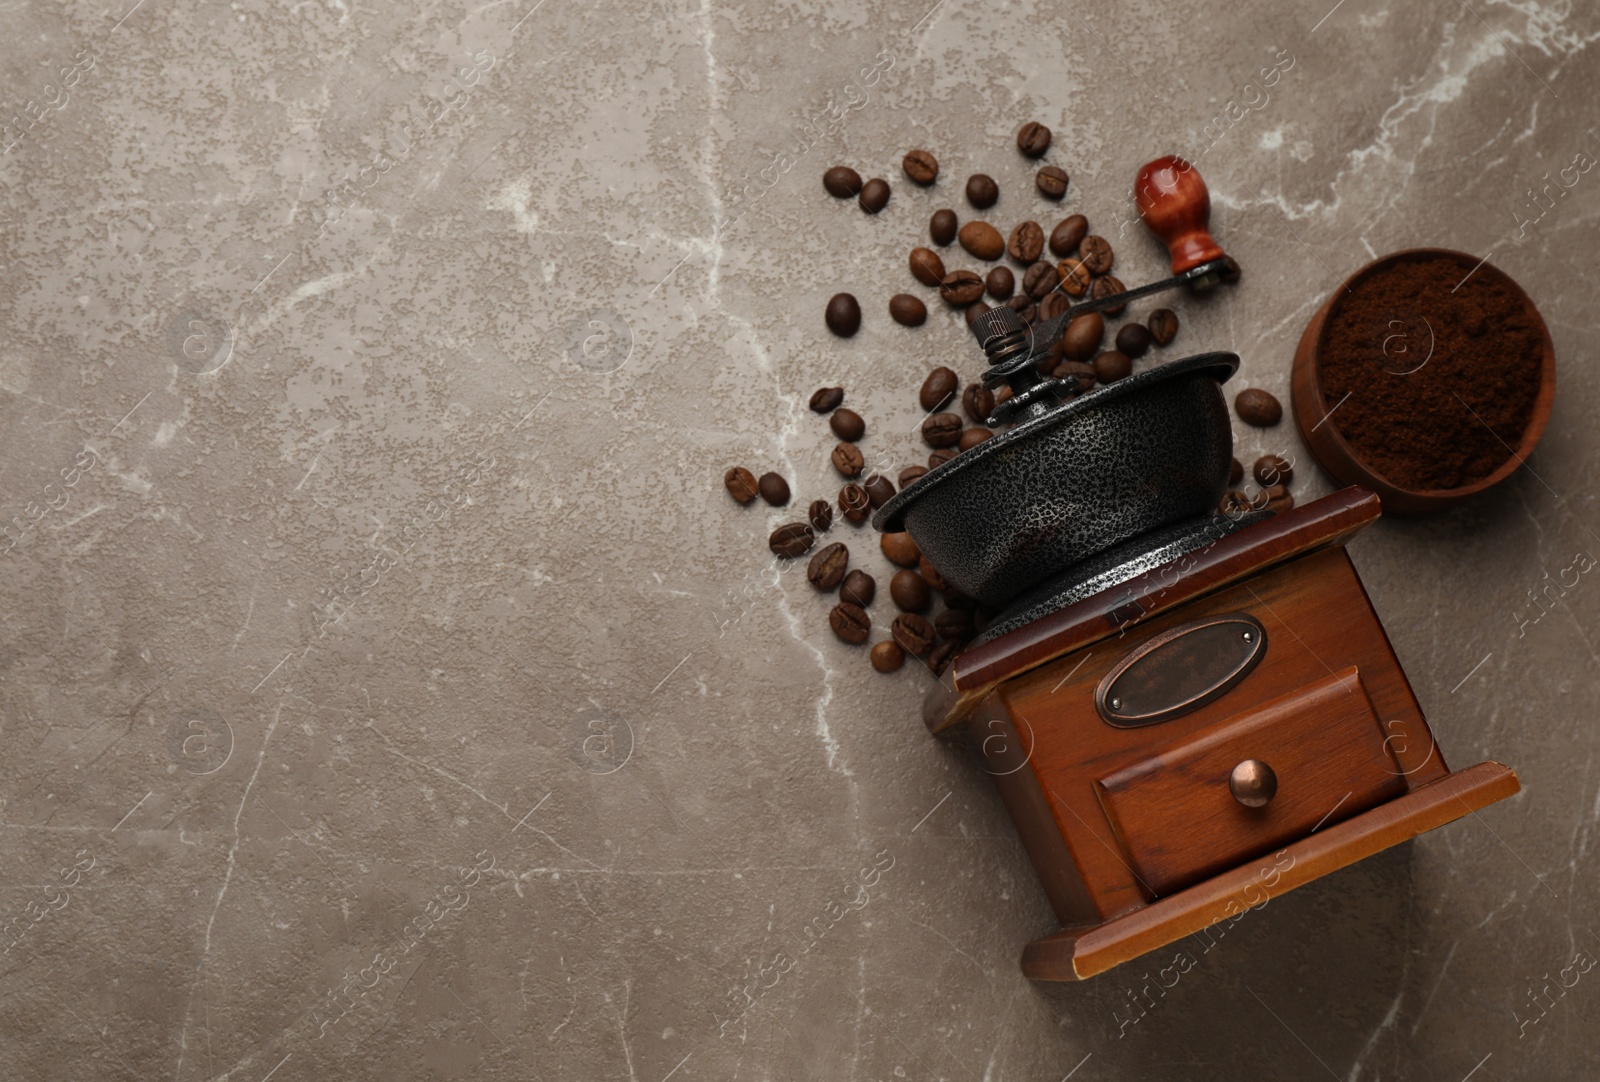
1174	203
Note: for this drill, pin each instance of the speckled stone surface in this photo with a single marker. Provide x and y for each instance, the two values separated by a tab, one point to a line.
389	689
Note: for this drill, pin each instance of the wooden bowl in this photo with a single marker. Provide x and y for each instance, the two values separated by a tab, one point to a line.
1335	455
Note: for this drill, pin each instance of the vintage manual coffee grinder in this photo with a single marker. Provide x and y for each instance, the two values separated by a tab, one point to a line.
1186	712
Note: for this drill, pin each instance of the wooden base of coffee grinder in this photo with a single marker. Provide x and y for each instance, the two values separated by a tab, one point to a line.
1211	734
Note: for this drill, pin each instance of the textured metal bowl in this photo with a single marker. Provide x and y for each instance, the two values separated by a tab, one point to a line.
1125	458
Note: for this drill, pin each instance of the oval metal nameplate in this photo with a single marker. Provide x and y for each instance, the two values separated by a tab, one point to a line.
1181	670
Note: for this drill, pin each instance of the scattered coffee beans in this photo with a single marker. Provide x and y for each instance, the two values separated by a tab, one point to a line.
899	548
961	288
1133	339
1024	306
850	622
827	399
942	430
1068	234
920	167
843	315
792	539
908	311
887	656
1083	337
874	195
982	191
1040	280
1033	139
1107	286
774	489
880	490
1233	503
1000	283
982	240
741	483
940	386
854	503
1052	182
941	456
977	402
942	227
974	310
847	425
1078	370
940	657
1273	470
957	624
926	266
1163	325
1278	498
848	460
913	633
1257	407
909	591
859	588
1027	243
1112	366
827	567
910	474
1054	304
1235	473
930	576
842	182
971	437
1096	254
820	515
1075	277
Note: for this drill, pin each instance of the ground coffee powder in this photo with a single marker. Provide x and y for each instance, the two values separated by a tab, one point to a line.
1429	378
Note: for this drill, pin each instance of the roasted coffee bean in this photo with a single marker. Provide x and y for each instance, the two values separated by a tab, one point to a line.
971	437
1054	304
920	167
977	402
1075	277
1096	254
982	191
908	311
1133	339
1235	473
942	227
909	591
1024	306
940	387
940	657
1002	395
913	633
1000	283
1108	286
941	456
1078	370
1273	470
960	288
1027	242
926	266
1163	324
957	624
843	315
1033	139
1111	366
741	483
880	490
874	195
827	567
820	515
1068	234
842	182
854	503
910	474
848	460
1278	498
827	399
850	622
859	588
982	240
774	489
847	425
974	310
899	548
792	539
1040	280
1257	407
1052	182
942	430
930	576
1082	339
887	656
1233	503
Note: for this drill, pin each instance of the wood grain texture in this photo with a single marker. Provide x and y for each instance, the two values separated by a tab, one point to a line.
1076	954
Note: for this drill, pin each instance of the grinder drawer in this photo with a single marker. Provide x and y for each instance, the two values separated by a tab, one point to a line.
1178	819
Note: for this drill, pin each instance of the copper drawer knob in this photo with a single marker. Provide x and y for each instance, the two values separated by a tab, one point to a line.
1253	783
